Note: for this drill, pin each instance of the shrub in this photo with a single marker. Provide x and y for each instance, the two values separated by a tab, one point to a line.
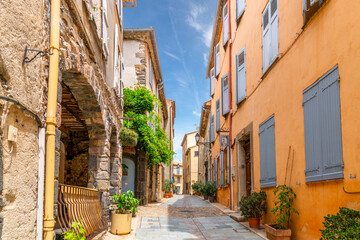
128	137
125	202
210	188
196	186
253	206
168	184
73	234
284	198
344	225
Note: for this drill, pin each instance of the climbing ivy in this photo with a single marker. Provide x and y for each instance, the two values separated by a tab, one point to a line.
140	103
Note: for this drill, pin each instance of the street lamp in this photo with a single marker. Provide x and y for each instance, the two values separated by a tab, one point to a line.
197	138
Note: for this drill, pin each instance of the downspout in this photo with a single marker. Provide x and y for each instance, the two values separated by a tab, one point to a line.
49	221
230	104
40	209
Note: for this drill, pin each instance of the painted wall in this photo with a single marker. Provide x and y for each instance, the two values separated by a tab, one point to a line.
305	54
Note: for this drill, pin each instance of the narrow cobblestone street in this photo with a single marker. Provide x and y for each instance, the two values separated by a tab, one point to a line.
187	217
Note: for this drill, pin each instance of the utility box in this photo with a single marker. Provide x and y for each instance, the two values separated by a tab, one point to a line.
12	134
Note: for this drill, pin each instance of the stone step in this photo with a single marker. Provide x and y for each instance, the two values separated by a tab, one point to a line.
237	217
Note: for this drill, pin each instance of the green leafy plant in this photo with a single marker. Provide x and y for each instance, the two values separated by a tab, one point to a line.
139	103
253	206
128	137
344	225
196	186
125	202
168	185
209	189
284	199
76	232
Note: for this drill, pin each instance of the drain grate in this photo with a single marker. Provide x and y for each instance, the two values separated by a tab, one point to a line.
189	211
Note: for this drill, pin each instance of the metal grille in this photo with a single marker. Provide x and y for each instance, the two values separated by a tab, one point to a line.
78	202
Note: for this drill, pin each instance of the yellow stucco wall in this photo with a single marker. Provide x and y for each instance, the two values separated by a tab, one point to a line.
305	54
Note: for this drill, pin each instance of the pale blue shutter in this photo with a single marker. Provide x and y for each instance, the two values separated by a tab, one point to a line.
240	8
225	94
228	163
217	59
322	125
221	169
240	76
212	82
274	19
216	172
150	74
212	129
225	24
266	26
217	115
267	153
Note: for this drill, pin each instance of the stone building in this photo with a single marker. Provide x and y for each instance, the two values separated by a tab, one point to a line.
177	172
190	155
142	68
203	142
170	133
89	109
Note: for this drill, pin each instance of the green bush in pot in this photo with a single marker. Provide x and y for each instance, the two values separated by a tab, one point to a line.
253	207
128	137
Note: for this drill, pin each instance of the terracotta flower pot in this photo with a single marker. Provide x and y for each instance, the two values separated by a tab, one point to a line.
197	194
211	199
277	234
206	197
254	222
120	223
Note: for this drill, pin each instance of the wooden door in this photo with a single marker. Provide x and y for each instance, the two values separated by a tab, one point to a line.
247	167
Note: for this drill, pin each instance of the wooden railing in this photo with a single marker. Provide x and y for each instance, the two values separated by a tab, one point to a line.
75	203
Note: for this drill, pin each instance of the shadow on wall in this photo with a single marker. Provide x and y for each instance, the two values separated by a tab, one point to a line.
1	189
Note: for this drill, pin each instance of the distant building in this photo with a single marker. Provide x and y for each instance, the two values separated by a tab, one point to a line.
204	143
177	172
190	156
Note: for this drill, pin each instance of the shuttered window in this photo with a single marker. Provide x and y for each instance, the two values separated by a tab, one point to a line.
227	165
240	76
310	7
216	172
267	153
270	26
222	169
217	115
225	94
119	6
150	74
212	129
240	8
105	26
116	58
217	60
225	24
212	82
322	126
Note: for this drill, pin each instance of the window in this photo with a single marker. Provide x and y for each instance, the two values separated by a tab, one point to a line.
217	115
322	126
150	74
240	8
212	129
119	5
222	171
217	59
212	82
240	76
225	24
310	7
178	179
270	25
105	25
225	94
116	58
267	153
178	170
196	154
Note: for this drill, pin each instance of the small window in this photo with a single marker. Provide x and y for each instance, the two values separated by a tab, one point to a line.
217	60
196	153
225	24
310	8
212	82
273	7
265	19
240	8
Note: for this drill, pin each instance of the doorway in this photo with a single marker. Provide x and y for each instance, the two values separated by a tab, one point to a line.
128	175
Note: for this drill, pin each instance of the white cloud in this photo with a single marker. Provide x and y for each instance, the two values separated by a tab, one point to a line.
181	82
196	113
172	55
196	21
205	58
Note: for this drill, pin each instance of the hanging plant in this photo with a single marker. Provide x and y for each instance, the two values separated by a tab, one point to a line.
128	137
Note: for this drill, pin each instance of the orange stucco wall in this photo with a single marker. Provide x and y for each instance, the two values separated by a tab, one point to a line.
305	54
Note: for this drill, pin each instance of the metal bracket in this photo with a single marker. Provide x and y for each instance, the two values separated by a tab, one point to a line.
42	53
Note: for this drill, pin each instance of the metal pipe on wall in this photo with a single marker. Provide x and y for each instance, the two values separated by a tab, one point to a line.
41	175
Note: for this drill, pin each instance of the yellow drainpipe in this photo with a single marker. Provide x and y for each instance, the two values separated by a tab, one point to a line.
49	221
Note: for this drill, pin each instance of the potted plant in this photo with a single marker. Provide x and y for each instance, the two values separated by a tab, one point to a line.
128	137
121	217
252	207
168	188
284	199
211	190
204	191
196	188
76	232
136	202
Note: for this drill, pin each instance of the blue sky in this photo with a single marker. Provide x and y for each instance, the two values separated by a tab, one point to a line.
183	31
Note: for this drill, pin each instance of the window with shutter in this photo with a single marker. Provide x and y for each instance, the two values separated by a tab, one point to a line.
225	94
217	59
119	6
240	8
105	26
267	153
150	74
240	76
310	7
222	169
212	82
322	126
217	115
212	129
270	26
225	24
227	165
116	58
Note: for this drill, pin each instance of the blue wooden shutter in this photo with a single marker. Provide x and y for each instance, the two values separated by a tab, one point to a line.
216	172
212	129
240	8
240	76
225	94
274	19
228	164
217	59
225	24
221	169
322	125
217	115
212	82
150	74
267	153
266	26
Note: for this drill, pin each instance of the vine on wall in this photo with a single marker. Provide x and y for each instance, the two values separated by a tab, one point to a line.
142	105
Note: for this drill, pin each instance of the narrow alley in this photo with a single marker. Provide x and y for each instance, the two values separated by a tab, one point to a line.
187	217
